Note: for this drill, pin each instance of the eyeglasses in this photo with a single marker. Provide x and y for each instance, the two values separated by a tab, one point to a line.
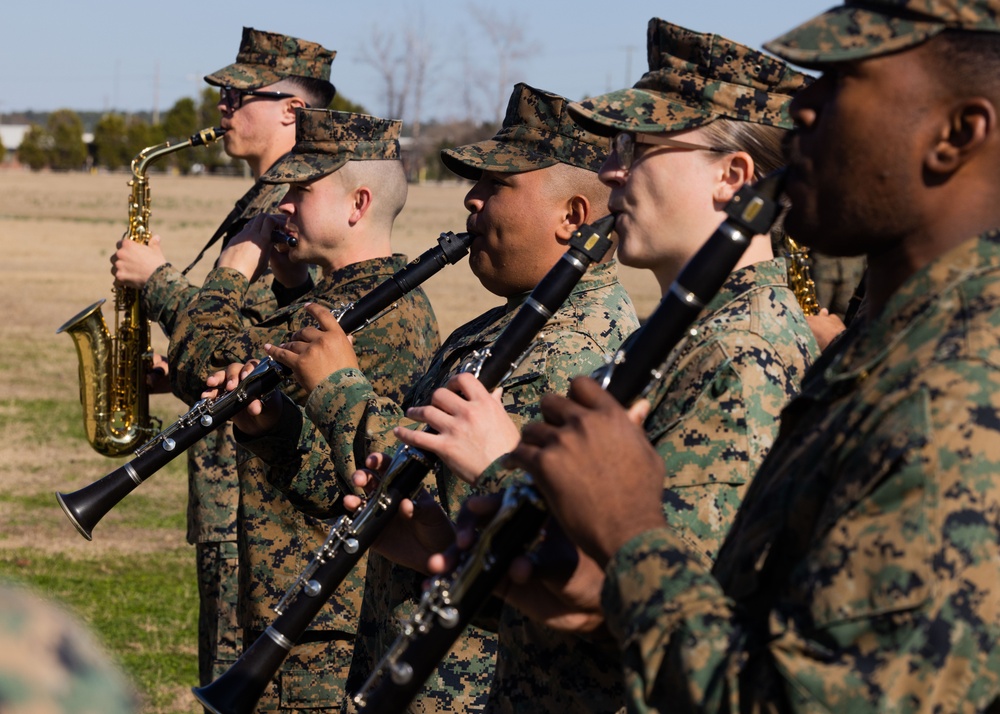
623	145
232	97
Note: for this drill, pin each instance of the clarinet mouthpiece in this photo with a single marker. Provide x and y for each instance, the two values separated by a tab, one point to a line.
279	236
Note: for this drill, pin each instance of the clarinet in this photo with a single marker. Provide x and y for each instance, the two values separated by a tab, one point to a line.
241	686
88	505
451	601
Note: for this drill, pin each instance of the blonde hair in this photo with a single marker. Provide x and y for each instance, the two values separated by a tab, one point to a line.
761	141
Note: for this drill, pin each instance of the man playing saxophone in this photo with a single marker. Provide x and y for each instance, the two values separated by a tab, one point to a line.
273	76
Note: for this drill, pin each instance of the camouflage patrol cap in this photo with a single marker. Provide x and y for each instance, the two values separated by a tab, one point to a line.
536	132
267	57
858	30
693	79
326	140
51	662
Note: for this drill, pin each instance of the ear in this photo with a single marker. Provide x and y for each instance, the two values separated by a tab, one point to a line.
288	115
970	124
576	211
735	170
362	197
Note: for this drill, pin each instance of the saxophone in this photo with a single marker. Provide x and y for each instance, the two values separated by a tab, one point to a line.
799	276
113	369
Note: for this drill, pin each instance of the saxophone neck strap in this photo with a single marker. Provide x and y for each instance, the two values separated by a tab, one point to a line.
230	225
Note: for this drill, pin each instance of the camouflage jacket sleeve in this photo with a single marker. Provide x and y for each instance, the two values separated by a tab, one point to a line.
168	292
211	333
165	294
51	662
353	418
296	460
393	350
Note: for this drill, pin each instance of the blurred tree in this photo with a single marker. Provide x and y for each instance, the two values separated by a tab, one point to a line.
181	120
342	104
140	135
402	68
213	156
208	108
179	124
508	37
3	152
68	151
436	170
111	142
34	149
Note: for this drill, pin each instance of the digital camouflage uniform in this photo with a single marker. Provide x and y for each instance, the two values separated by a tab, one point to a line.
263	58
860	574
715	413
51	664
277	531
713	420
349	410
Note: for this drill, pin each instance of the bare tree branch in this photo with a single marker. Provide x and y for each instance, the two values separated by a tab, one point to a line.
379	54
510	44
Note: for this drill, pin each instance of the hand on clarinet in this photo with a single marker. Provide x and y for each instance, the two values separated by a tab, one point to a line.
420	528
556	584
473	430
590	459
314	353
260	416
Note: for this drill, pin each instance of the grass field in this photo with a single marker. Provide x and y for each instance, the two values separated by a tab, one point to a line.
134	583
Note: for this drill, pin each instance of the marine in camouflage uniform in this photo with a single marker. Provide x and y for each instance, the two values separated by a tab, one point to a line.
861	572
51	664
868	580
715	412
349	410
278	531
263	59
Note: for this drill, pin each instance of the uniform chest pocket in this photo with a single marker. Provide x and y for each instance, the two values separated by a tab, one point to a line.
874	557
700	428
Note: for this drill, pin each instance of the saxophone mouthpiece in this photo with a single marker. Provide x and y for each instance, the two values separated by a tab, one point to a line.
279	236
206	136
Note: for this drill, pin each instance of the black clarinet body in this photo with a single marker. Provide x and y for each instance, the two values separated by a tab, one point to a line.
241	686
87	506
451	601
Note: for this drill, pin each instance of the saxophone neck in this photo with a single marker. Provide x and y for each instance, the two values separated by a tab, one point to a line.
144	158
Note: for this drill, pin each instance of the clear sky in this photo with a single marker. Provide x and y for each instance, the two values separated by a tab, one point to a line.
133	54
